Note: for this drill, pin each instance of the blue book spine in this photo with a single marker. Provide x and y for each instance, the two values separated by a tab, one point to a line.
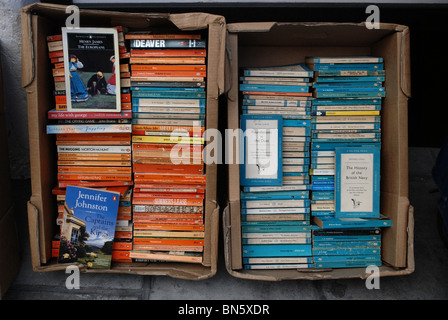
348	89
351	257
344	251
136	88
273	260
140	102
277	250
284	211
277	103
273	88
339	73
346	94
348	238
275	195
168	94
272	228
347	264
322	195
348	85
348	66
350	79
347	244
277	222
347	60
335	223
360	140
332	146
354	101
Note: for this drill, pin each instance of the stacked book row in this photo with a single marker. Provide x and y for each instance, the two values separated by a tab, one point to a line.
276	229
345	160
167	74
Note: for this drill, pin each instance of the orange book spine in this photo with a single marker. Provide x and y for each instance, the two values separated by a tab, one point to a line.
94	156
168	202
172	242
124	216
58	72
169	178
94	163
59	65
165	147
59	79
168	186
168	53
56	37
94	143
122	245
181	169
126	106
125	55
170	67
167	195
123	234
168	60
294	94
169	248
121	255
62	99
56	54
169	221
65	183
169	73
61	106
125	97
84	169
167	215
93	136
187	227
124	210
94	177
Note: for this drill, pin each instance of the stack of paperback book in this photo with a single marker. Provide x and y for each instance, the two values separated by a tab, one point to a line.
276	230
345	159
168	74
93	126
56	55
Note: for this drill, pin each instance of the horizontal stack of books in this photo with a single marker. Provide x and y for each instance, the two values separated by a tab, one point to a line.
276	230
345	159
168	74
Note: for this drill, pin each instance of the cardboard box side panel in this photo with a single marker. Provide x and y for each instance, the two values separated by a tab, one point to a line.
394	171
235	234
9	250
41	146
310	34
232	141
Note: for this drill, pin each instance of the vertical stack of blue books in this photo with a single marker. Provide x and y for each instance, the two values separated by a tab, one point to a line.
346	109
276	228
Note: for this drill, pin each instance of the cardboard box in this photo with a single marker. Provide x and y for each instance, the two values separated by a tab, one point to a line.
9	238
40	20
271	43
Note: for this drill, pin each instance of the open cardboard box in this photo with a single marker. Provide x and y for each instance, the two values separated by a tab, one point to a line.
41	20
271	43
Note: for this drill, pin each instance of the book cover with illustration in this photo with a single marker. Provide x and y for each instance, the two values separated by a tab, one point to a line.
91	67
88	227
